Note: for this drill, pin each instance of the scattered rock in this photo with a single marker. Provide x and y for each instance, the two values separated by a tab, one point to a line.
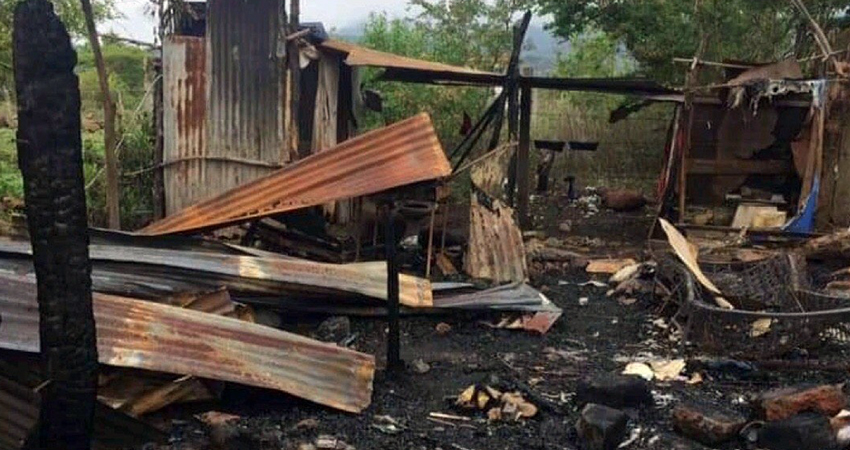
623	199
640	369
583	301
223	429
443	328
841	428
806	431
334	329
601	427
565	226
419	366
332	443
707	427
616	391
783	403
307	424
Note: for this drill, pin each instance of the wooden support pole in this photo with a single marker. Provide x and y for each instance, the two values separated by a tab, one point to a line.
523	152
394	334
112	192
295	80
430	242
159	144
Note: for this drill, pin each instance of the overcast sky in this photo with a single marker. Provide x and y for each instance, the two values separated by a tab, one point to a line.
334	13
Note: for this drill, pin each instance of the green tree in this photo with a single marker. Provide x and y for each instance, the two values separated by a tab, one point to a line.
68	10
656	31
468	33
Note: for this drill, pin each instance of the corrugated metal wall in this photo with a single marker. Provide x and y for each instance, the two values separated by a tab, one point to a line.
222	103
244	122
184	120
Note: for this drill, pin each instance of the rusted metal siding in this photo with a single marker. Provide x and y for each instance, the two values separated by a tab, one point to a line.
184	120
244	120
146	335
496	250
19	410
403	153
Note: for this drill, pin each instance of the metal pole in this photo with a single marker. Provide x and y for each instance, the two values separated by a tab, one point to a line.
393	339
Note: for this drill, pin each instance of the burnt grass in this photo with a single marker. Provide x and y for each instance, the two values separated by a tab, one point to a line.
600	337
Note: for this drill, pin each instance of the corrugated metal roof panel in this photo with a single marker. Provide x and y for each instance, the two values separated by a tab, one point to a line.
19	411
244	119
184	76
249	275
403	153
146	335
496	249
362	56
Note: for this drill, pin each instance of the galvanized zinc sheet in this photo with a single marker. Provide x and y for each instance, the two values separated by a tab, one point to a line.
362	56
19	411
247	275
244	119
496	249
146	335
184	121
403	153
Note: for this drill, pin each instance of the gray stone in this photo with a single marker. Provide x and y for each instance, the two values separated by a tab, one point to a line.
334	329
614	390
601	427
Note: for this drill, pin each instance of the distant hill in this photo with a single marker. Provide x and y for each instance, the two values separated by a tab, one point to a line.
541	54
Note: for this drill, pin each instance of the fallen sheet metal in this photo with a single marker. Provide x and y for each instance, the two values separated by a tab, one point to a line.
400	154
138	392
150	273
496	250
19	412
146	335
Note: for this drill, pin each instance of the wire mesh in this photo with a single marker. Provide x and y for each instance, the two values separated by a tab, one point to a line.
776	310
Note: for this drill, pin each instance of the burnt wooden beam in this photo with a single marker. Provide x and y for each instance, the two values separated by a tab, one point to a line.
738	167
523	152
50	159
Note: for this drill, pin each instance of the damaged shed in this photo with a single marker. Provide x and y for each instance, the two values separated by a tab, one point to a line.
230	113
762	150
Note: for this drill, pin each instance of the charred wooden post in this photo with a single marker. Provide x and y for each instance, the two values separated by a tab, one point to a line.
523	152
393	338
50	158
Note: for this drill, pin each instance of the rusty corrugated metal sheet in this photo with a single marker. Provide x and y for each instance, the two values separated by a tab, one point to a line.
362	56
123	270
245	117
184	120
403	153
19	411
496	250
146	335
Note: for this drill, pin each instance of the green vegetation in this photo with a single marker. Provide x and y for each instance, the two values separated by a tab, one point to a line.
468	33
656	31
71	14
126	65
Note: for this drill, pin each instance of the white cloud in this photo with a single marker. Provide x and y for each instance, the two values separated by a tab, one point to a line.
138	24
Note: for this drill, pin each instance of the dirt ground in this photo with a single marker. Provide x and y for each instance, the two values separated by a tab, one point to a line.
599	337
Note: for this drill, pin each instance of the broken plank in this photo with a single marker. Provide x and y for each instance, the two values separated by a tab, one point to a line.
145	335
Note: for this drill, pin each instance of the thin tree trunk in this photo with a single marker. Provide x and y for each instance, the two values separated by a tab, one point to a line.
50	159
109	141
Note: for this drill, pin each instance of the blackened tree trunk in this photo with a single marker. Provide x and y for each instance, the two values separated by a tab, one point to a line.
50	158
